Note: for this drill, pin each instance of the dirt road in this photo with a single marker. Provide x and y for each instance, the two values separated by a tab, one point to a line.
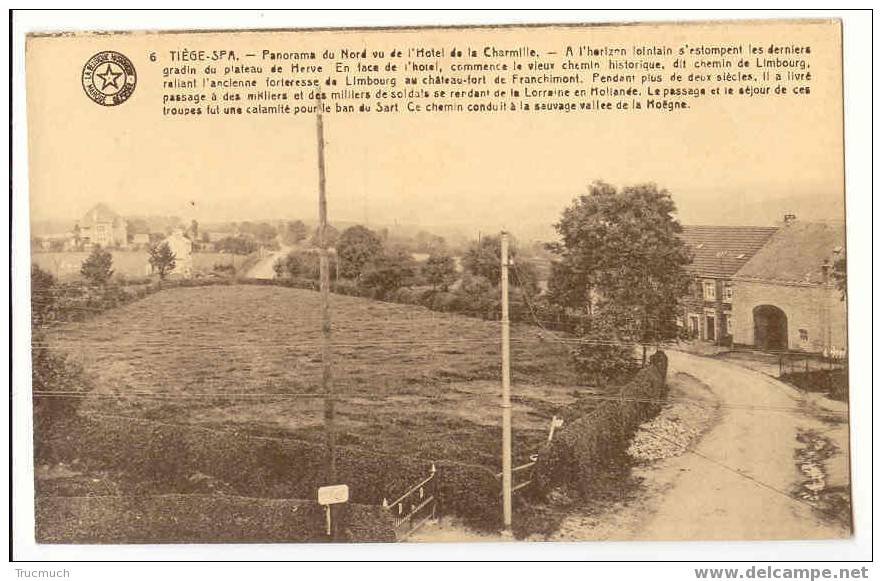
264	267
752	475
740	480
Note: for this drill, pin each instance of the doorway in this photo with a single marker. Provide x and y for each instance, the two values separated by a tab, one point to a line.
769	328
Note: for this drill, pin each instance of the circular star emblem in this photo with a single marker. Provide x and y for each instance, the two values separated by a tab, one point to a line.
109	78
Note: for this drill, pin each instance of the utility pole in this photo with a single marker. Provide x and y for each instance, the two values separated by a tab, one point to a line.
506	390
325	288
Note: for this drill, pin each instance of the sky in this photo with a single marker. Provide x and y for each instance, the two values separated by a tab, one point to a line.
743	161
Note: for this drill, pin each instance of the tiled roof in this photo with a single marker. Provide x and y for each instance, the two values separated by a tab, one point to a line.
720	251
796	253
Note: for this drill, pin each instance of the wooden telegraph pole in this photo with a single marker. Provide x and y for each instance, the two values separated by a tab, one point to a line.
506	390
325	288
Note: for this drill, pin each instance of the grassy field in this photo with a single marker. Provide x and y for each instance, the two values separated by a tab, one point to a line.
66	265
411	381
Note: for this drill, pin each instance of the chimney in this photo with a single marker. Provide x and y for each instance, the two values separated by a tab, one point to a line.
789	219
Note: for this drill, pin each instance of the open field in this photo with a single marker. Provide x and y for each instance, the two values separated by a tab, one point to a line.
130	263
411	381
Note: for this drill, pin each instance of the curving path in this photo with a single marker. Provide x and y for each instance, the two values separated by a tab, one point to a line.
739	481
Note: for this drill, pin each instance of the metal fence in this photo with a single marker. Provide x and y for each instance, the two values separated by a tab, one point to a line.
522	476
415	507
790	363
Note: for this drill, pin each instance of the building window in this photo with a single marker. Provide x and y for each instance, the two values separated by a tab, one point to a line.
728	292
803	335
694	326
730	322
710	290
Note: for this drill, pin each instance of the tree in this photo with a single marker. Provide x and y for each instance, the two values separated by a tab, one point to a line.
294	233
357	247
162	259
439	270
332	235
265	233
484	259
96	268
622	250
567	288
236	245
429	243
77	236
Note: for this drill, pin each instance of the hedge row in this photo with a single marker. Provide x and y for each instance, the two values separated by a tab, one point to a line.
78	301
152	457
480	300
201	519
586	445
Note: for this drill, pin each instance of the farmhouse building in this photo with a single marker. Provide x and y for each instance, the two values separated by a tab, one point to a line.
182	247
718	253
101	226
786	298
141	239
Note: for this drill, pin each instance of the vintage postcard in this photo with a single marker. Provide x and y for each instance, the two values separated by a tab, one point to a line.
533	283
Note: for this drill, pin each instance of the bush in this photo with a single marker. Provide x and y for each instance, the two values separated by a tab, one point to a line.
478	297
43	297
220	268
604	354
386	273
155	458
51	372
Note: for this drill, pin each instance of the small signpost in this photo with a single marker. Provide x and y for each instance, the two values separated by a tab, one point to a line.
329	495
556	422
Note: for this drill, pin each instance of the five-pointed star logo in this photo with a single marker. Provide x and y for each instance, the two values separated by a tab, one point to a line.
109	78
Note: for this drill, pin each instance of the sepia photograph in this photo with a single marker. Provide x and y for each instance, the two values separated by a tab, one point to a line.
523	283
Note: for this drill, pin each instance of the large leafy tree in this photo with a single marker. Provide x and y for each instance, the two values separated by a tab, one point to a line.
356	248
621	249
97	267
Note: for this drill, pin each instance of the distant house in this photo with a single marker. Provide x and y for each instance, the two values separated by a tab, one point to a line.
719	252
141	239
182	247
787	299
101	226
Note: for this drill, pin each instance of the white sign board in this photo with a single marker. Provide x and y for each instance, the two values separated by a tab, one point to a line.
333	494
